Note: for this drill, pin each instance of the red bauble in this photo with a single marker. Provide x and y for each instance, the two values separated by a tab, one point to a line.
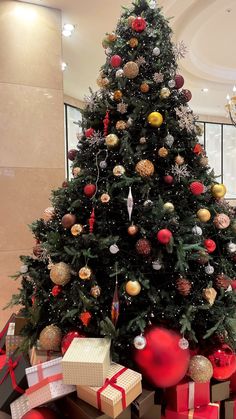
210	245
115	61
56	290
197	188
223	360
89	132
89	190
68	220
143	247
162	362
72	154
168	179
65	184
179	81
139	24
37	250
67	339
164	236
40	413
187	94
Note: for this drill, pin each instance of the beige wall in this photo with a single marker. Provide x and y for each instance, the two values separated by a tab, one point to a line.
31	128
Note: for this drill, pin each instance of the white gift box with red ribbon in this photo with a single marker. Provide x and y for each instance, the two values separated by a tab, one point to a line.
38	372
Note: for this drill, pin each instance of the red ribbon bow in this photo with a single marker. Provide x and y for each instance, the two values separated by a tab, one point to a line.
112	382
10	370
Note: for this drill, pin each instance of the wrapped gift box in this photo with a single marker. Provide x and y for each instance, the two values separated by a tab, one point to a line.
219	391
187	395
121	387
153	413
38	356
233	383
13	381
3	359
20	322
38	372
3	334
74	408
50	388
211	411
19	407
86	362
229	409
13	342
143	403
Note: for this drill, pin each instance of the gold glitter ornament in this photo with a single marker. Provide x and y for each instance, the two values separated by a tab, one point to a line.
117	95
102	81
50	338
85	273
209	294
200	369
133	42
105	198
121	125
118	170
112	141
76	229
155	119
144	87
60	273
95	291
144	168
164	93
221	221
76	171
168	207
163	152
203	215
131	70
130	20
48	214
218	190
111	37
203	161
133	288
179	160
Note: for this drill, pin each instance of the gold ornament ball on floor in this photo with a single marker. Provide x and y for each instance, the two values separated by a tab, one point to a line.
200	369
60	273
48	214
117	95
112	141
144	168
50	338
131	70
168	207
76	229
105	198
164	93
163	152
121	125
132	230
133	42
85	273
133	288
218	191
155	119
118	170
221	221
179	160
203	215
144	87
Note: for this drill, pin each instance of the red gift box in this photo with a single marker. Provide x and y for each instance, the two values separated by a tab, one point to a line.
187	395
233	383
211	411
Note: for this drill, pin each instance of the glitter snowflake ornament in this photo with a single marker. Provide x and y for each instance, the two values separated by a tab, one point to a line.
140	342
122	107
186	118
180	172
96	139
140	61
158	77
180	50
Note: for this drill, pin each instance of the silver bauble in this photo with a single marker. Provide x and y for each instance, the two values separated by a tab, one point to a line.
156	51
103	164
119	73
209	269
148	203
183	343
140	342
197	231
231	247
114	249
169	139
171	83
23	269
156	265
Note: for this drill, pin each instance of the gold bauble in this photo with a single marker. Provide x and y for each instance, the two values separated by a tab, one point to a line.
131	70
144	87
48	214
179	160
111	37
76	171
130	20
50	338
145	168
203	161
209	294
112	141
132	288
117	95
105	198
200	369
163	152
221	221
121	125
155	119
165	92
203	215
133	42
85	273
76	229
218	190
118	170
132	230
60	273
102	81
95	291
168	207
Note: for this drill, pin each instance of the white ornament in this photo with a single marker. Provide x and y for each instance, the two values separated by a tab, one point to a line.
156	265
169	139
231	247
129	122
103	164
209	269
197	231
108	51
130	203
148	203
140	342
153	4
183	343
23	269
156	51
119	73
114	249
171	83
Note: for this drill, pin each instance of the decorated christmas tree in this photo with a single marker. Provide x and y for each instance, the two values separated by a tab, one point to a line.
140	245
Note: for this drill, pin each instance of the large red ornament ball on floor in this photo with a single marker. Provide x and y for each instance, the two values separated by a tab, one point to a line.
89	190
223	360
139	24
197	188
164	236
67	339
40	413
210	245
72	154
115	61
179	81
162	362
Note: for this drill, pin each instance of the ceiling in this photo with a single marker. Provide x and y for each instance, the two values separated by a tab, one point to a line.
206	27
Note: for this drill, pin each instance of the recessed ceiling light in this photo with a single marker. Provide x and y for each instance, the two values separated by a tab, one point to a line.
204	89
63	66
68	29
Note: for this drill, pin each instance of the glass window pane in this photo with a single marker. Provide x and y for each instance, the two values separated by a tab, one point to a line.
201	137
229	166
73	130
213	148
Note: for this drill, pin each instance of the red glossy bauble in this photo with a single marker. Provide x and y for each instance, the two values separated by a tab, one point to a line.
168	179
164	236
187	94
139	24
89	132
179	81
89	190
223	360
210	245
197	188
162	362
37	250
64	184
115	61
72	154
40	413
56	290
67	339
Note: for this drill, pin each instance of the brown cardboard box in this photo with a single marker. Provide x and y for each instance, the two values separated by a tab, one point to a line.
143	403
20	322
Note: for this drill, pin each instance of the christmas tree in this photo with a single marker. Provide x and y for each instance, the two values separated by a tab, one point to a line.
141	239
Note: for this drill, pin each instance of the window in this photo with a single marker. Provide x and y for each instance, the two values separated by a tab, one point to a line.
72	117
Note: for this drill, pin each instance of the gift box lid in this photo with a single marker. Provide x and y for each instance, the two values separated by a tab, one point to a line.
87	350
45	365
43	383
40	371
